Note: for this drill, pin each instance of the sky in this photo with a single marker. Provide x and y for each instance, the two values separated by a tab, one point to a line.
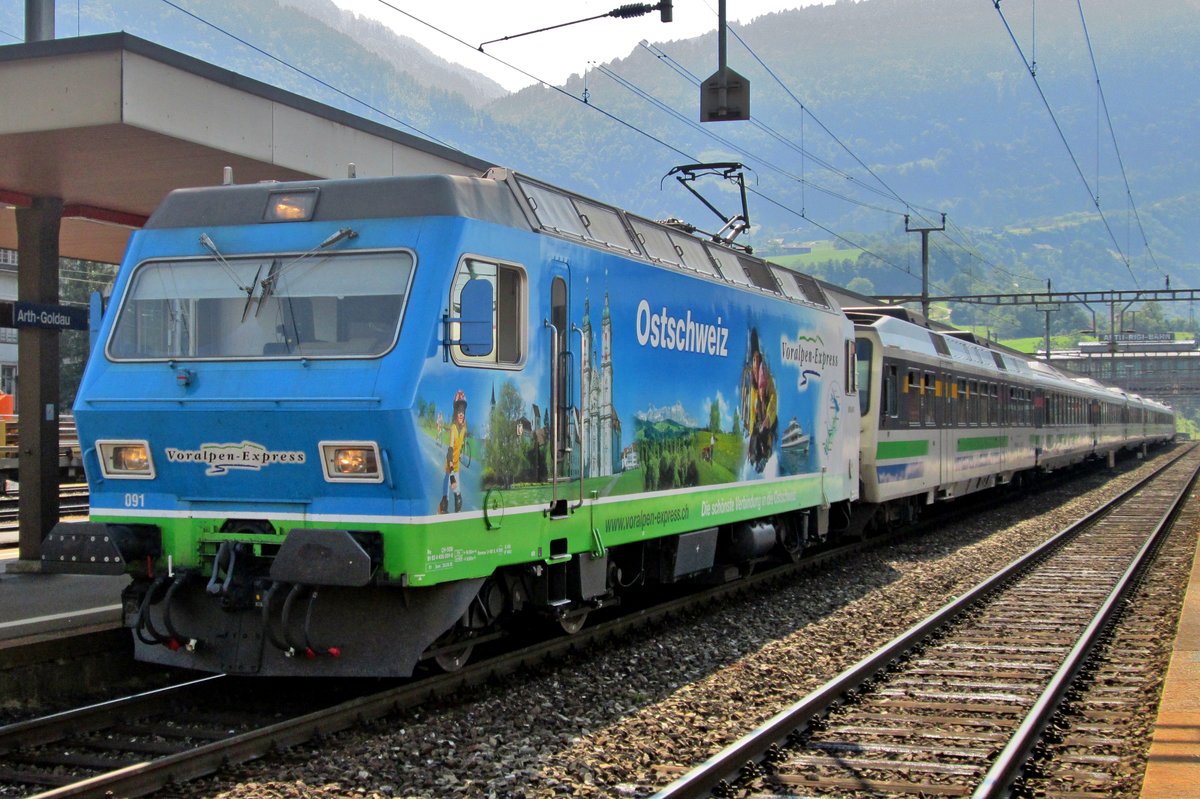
555	55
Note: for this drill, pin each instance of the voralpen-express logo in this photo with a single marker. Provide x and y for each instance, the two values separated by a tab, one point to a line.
220	458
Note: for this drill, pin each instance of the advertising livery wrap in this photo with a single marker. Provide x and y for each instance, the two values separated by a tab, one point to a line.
433	402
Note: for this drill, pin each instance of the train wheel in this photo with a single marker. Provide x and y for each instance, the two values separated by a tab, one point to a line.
451	660
574	623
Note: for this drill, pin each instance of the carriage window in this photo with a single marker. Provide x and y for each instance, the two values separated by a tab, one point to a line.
789	287
656	241
862	368
756	271
810	287
508	313
731	266
961	410
604	226
912	397
928	406
554	211
295	305
891	391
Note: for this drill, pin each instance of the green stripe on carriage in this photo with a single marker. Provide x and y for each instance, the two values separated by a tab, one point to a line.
886	450
982	442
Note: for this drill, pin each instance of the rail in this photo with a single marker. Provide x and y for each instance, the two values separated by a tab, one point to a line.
139	772
757	755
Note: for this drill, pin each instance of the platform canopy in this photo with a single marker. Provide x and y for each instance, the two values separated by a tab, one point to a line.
109	124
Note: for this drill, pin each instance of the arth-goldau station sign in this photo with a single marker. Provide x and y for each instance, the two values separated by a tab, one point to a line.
54	317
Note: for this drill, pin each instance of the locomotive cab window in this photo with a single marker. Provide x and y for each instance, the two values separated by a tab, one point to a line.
294	305
507	316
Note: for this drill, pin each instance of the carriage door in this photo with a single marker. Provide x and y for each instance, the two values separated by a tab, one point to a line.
564	433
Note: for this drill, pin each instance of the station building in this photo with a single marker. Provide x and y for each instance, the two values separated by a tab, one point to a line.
1151	364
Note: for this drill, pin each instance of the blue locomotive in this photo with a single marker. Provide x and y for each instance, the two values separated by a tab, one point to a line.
341	427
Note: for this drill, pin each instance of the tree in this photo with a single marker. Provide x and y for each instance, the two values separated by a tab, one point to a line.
505	453
861	285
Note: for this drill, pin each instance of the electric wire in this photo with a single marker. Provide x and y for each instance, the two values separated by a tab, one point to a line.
970	250
1113	135
890	191
660	141
699	128
801	214
531	76
589	104
823	126
683	72
1062	135
563	92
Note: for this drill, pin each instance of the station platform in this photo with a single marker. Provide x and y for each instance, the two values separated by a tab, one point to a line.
1173	765
42	604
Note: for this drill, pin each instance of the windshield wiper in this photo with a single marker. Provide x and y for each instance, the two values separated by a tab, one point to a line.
250	290
207	243
268	282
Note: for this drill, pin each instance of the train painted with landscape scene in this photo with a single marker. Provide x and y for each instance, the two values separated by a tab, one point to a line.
338	428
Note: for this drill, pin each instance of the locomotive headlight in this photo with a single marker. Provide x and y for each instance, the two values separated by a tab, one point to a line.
128	459
351	461
291	206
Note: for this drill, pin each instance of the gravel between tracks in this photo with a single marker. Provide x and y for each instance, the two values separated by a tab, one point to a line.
595	725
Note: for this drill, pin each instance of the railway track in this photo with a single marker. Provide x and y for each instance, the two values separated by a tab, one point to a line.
81	753
178	735
72	501
974	700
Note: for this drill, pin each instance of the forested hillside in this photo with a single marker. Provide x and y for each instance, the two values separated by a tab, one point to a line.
862	112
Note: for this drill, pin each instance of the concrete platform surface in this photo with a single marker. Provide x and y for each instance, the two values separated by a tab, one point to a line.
1173	768
32	604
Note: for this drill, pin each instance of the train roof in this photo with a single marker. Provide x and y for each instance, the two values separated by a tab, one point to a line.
902	332
505	198
351	198
894	331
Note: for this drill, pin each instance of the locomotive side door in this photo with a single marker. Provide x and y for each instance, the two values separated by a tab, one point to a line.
565	476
